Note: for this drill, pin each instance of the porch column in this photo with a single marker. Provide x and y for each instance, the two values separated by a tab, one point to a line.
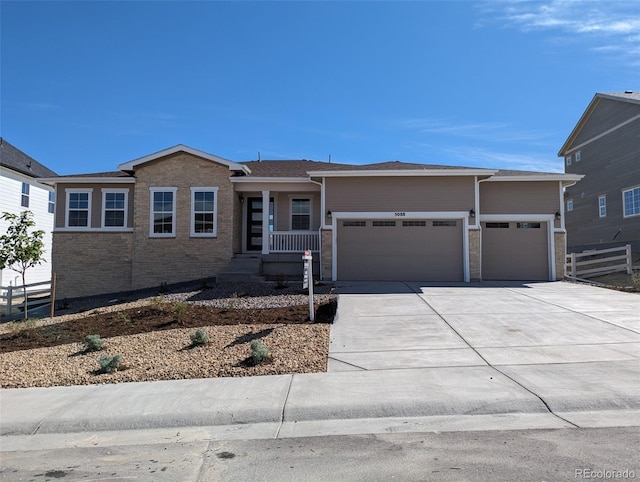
265	222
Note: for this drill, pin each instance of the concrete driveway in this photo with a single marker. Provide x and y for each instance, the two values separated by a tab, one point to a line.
574	347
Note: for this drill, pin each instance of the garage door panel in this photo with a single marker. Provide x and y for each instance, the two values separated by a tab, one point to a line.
397	250
515	251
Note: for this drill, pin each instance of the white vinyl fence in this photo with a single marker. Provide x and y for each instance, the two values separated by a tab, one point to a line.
599	262
12	297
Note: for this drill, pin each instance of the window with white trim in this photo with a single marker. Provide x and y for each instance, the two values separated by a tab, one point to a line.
569	204
568	159
602	206
24	199
78	214
114	208
300	214
52	202
204	212
162	222
631	201
578	156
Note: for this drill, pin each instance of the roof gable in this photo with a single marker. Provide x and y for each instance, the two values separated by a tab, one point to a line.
131	165
629	108
16	160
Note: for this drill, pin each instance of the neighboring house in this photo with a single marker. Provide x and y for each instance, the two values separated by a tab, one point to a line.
20	191
182	214
603	210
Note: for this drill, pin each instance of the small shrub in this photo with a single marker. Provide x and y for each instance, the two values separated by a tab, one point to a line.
22	325
124	317
259	352
163	288
281	283
110	364
93	343
635	279
178	310
199	337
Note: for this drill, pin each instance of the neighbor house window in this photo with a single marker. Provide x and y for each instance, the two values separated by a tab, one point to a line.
300	214
602	206
570	205
577	156
631	201
204	211
114	208
568	160
78	208
163	212
24	200
52	202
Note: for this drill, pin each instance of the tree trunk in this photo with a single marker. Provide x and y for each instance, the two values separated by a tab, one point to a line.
24	290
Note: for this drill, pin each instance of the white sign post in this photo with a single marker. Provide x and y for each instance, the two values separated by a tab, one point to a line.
307	280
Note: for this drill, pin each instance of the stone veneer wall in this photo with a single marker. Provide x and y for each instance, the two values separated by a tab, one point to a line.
181	258
327	244
560	241
91	263
475	273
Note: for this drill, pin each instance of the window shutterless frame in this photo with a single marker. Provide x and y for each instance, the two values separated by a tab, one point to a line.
78	208
204	212
115	208
301	208
602	206
631	201
162	212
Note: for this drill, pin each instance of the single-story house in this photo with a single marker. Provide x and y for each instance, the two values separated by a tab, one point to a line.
182	214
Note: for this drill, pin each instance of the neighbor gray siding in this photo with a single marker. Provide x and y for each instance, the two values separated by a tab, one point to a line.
606	115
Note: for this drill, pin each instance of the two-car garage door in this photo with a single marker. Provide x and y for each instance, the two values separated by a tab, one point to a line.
400	250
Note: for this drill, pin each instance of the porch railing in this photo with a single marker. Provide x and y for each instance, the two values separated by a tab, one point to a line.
293	241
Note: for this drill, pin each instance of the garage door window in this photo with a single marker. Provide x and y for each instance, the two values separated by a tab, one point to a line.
414	223
384	224
528	225
447	222
498	225
354	224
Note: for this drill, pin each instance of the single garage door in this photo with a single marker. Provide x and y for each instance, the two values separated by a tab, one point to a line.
515	251
400	250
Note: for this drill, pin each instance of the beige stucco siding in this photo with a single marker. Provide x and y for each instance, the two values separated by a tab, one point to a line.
519	197
378	194
96	202
181	258
91	263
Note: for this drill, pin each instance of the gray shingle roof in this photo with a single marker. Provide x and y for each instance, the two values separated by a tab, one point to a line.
629	95
16	160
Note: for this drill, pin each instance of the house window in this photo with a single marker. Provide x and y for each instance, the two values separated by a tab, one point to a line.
163	212
631	201
568	159
204	211
114	208
78	208
52	202
577	156
300	214
569	204
602	206
24	201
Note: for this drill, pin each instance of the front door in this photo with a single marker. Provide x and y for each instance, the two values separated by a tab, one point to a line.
254	222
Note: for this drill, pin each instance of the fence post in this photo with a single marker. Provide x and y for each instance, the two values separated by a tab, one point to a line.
573	266
52	296
629	260
9	299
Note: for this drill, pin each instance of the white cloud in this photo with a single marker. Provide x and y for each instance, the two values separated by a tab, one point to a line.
475	156
616	25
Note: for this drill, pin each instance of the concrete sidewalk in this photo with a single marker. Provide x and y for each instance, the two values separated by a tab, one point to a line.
403	357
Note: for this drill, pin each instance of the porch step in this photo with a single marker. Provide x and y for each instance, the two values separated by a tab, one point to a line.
242	268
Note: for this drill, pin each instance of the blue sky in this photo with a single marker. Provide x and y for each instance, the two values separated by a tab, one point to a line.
86	86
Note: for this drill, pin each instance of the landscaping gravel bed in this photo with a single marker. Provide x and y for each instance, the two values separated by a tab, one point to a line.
298	347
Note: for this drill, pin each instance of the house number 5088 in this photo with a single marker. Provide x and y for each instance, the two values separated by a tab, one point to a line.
400	214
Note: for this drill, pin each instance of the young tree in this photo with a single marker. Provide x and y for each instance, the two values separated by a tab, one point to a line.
19	248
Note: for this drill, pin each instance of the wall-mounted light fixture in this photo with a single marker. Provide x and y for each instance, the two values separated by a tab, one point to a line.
241	197
558	216
329	214
472	213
